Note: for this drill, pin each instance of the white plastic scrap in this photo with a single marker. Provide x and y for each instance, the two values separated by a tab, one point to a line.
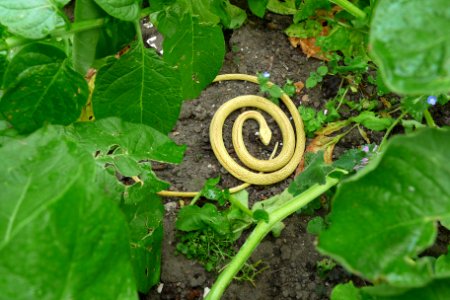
206	291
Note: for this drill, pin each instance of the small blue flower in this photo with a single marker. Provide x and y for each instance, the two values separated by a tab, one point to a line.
365	149
432	100
266	74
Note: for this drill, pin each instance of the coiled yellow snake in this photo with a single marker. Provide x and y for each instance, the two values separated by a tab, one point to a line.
264	172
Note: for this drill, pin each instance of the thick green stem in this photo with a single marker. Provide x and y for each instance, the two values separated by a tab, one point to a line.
78	27
239	205
261	230
350	8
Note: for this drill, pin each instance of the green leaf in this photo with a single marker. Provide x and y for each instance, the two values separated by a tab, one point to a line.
47	90
436	290
411	125
239	220
231	16
424	68
261	215
106	179
350	159
125	144
192	218
307	113
346	291
52	209
152	93
92	44
144	212
442	266
274	202
212	192
34	56
7	133
415	106
193	44
307	29
258	7
315	172
372	122
312	81
32	19
316	225
282	7
308	8
322	70
126	10
385	215
3	65
350	41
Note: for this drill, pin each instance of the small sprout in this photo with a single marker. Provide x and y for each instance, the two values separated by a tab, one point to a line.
432	100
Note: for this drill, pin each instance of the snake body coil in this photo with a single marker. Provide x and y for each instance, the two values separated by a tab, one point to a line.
275	169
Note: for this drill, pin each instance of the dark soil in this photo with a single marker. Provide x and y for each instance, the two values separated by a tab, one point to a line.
292	258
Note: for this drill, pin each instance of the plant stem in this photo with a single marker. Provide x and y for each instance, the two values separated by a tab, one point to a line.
350	8
341	99
78	27
196	197
261	230
239	205
388	131
429	119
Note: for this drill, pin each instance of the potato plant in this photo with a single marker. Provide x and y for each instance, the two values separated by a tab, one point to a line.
86	107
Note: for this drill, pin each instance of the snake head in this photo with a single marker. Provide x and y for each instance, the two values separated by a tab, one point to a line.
265	134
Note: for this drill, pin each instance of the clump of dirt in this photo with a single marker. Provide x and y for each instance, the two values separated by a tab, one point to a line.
260	45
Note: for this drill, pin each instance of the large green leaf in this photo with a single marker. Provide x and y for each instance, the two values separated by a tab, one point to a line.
145	212
41	87
61	237
410	43
118	142
436	290
36	55
139	87
193	44
32	19
387	214
127	10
